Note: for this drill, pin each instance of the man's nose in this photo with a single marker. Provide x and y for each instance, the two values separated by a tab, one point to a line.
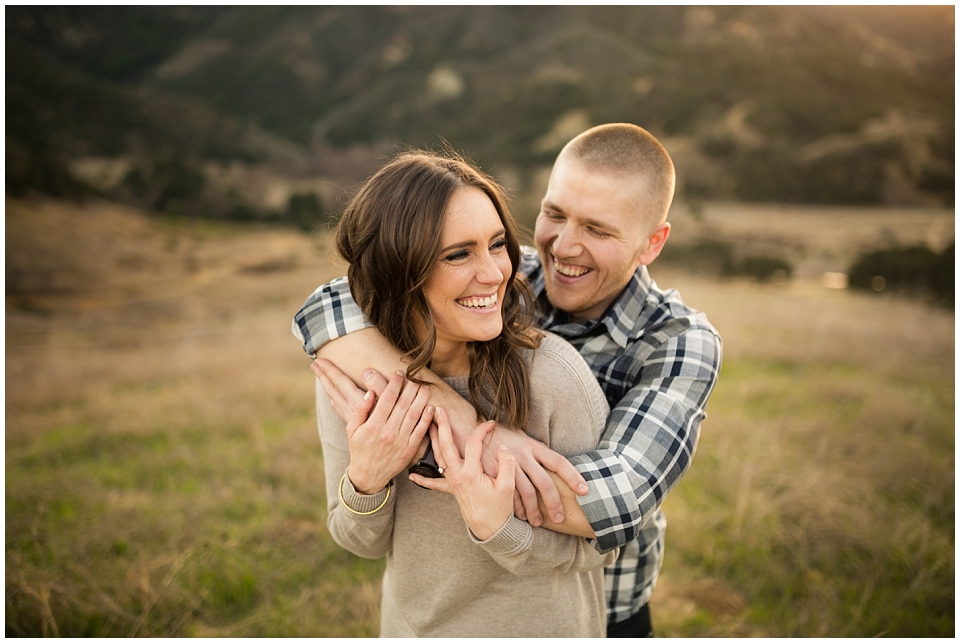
566	244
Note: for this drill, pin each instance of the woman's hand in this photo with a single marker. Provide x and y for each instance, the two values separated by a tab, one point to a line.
382	444
486	503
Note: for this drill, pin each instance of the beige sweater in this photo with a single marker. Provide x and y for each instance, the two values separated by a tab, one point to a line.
440	580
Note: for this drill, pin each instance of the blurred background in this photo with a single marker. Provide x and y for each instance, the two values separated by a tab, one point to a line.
172	174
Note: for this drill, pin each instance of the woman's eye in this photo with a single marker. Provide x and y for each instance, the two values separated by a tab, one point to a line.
456	256
498	244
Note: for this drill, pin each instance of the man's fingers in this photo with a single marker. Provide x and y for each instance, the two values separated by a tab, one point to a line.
518	509
548	491
528	496
562	467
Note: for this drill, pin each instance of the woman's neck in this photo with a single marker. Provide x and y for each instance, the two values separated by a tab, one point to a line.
450	360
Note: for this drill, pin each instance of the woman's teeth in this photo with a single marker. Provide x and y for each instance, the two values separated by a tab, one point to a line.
478	302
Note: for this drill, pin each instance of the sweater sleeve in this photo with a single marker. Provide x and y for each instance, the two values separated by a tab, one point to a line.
572	410
522	549
369	535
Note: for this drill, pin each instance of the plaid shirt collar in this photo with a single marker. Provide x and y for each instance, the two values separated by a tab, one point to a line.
624	320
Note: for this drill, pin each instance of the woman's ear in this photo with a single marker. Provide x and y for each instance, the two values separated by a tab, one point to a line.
654	243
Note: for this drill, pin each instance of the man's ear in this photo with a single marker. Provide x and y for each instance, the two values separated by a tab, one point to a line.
655	243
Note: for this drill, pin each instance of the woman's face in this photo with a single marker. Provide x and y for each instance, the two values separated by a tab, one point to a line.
466	289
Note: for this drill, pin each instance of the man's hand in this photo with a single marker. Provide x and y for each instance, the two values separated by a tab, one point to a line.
533	460
382	444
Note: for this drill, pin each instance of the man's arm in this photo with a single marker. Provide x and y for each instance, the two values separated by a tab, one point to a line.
650	437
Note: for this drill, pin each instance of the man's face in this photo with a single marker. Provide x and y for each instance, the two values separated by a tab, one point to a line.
590	236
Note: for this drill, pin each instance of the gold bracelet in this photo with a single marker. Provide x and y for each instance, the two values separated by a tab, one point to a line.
362	513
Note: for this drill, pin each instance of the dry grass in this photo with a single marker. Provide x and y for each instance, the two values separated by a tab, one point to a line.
164	477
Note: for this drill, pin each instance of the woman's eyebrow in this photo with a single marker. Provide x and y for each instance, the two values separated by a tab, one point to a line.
467	244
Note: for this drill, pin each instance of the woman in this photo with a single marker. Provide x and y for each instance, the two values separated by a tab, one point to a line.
433	254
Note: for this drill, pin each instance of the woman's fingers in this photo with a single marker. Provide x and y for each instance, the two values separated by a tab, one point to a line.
360	413
474	447
434	484
445	450
388	400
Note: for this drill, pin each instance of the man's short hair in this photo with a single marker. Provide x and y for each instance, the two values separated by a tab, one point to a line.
632	151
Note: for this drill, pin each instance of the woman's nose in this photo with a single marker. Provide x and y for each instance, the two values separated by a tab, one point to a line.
489	272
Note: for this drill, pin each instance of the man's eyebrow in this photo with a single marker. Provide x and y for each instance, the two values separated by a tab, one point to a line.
597	223
552	206
590	221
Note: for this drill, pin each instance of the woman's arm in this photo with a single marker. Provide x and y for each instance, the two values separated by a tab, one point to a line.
379	445
368	535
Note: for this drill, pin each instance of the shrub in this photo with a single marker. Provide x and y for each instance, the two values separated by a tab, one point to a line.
907	269
764	268
715	257
305	211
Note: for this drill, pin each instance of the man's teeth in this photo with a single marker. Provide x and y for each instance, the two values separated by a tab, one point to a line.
569	271
478	302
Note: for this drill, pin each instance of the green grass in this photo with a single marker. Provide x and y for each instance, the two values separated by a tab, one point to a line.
823	495
173	531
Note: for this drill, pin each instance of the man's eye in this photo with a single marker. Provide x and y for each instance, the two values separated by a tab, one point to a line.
598	233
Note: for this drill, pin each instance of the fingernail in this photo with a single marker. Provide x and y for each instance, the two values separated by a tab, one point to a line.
367	396
399	372
583	488
536	522
503	447
558	518
367	374
429	409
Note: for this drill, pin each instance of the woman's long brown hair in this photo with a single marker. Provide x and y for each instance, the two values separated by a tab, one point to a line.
391	234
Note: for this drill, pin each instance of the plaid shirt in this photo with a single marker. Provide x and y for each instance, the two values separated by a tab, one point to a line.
657	361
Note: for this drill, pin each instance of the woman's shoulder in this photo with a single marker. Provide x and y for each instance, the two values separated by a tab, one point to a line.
559	366
564	392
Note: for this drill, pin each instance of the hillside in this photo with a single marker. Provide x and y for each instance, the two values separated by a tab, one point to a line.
232	110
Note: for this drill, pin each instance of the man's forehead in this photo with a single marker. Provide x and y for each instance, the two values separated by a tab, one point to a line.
580	190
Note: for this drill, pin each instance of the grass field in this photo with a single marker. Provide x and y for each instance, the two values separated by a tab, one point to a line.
164	475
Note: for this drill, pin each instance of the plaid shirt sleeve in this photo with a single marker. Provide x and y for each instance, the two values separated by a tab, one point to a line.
650	436
330	312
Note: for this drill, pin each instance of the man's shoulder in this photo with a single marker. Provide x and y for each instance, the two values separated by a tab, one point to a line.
651	316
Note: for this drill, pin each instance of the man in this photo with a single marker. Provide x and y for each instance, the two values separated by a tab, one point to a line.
602	221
